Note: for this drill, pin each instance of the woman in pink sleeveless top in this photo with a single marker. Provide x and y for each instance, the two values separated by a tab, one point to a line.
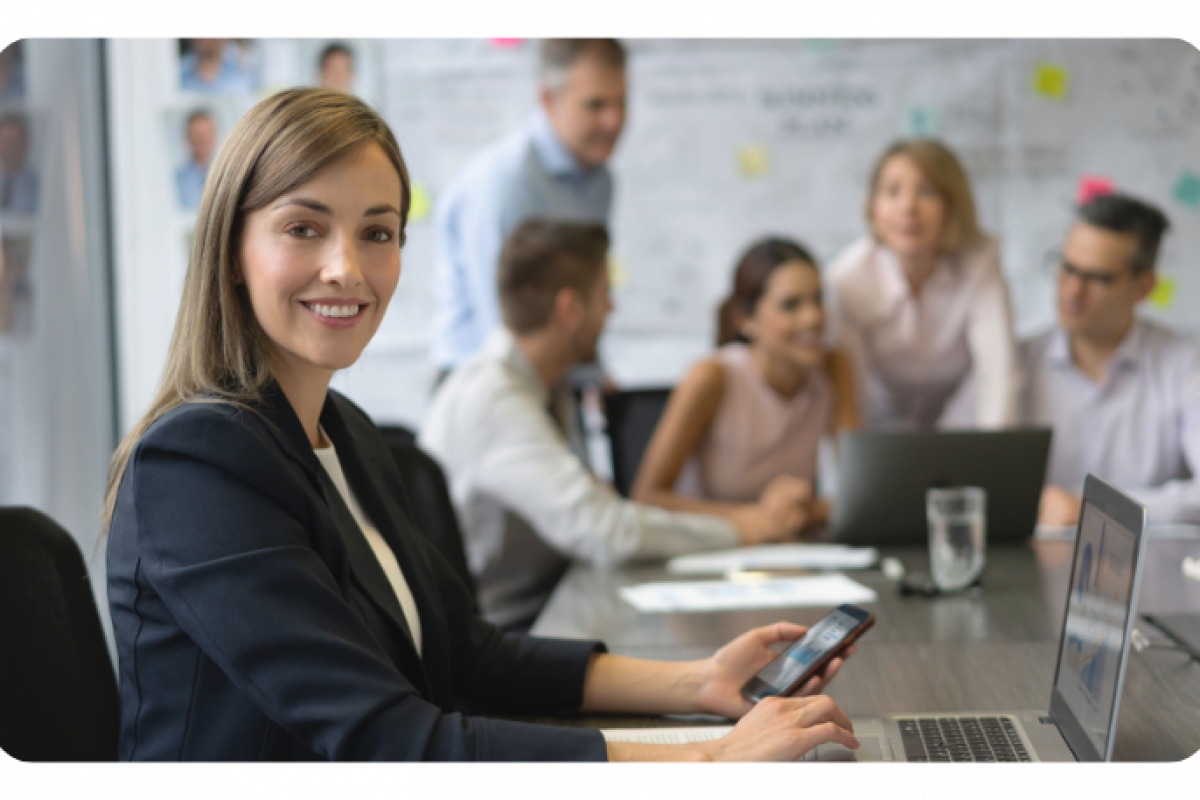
739	435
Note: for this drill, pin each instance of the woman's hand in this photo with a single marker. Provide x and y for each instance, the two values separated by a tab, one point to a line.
782	510
757	525
782	729
785	493
722	676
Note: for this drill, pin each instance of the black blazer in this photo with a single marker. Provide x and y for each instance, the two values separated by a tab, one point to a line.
251	623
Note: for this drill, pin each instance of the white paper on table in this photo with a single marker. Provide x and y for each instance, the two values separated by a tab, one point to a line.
666	735
775	556
819	590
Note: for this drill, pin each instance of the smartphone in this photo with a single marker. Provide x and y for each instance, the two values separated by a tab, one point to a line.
809	654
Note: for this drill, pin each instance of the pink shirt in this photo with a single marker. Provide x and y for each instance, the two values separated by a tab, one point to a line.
943	358
757	435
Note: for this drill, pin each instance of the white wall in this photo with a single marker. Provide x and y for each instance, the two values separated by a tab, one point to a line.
686	206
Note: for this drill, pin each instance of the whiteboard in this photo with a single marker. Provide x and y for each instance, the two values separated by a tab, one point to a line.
731	140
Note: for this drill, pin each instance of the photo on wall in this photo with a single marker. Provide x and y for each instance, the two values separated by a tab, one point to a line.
219	66
193	133
12	72
16	304
19	181
348	65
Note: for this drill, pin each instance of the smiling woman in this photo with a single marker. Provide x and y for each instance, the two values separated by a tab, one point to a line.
270	598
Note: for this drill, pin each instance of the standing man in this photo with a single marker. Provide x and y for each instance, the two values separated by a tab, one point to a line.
1121	393
553	167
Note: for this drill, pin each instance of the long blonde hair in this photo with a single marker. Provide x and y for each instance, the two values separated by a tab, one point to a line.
942	168
218	352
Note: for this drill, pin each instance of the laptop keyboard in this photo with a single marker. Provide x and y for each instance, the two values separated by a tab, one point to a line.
962	739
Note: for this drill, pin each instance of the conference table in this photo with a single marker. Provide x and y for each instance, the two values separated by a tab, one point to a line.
988	649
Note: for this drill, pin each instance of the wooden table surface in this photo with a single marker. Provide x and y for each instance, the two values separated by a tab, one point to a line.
987	650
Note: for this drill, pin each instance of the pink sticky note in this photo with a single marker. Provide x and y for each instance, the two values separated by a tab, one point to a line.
508	42
1092	185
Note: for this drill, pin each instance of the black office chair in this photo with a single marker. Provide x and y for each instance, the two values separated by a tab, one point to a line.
58	693
432	508
630	419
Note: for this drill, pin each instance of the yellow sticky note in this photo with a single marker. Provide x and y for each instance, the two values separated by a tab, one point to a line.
1163	294
618	275
420	206
753	161
1051	80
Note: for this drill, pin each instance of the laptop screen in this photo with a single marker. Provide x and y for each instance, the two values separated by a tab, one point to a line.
1098	608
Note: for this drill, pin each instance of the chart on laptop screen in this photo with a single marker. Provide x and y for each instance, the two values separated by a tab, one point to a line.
1097	612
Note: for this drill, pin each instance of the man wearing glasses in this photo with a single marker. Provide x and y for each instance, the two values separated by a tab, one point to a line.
1121	393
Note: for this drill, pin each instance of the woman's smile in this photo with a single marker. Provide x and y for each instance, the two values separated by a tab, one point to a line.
336	314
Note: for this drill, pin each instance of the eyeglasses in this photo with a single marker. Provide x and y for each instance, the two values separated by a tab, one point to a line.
1088	277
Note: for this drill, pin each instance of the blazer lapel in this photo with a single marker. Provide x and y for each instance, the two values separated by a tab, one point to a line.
362	475
364	565
363	562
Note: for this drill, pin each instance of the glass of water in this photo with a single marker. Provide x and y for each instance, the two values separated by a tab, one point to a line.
957	535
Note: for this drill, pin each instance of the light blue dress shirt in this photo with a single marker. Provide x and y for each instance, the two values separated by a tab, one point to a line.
189	184
1138	429
231	78
529	173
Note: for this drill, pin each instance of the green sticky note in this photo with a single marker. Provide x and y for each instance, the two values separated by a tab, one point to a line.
1163	294
920	122
820	45
1051	80
1187	189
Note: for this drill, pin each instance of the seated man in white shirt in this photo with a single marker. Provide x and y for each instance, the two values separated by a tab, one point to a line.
502	427
1121	393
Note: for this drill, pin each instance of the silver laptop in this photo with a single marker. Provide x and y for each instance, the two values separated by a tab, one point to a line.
1085	695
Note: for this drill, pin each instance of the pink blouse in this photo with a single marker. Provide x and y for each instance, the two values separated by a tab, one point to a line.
757	435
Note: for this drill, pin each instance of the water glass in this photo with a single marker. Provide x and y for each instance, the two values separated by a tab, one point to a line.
957	520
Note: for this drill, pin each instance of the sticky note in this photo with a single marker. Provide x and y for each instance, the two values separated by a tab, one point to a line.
920	122
420	206
1163	294
753	161
1092	185
1187	189
1051	80
618	275
507	42
820	45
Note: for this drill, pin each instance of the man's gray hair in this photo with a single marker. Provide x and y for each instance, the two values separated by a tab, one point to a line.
559	55
1120	213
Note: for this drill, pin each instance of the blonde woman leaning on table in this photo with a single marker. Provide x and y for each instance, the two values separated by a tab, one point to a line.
271	599
921	306
739	435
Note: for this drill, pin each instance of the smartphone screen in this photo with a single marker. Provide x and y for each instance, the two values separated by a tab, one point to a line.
782	674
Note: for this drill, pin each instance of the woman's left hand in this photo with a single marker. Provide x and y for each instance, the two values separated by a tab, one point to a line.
724	674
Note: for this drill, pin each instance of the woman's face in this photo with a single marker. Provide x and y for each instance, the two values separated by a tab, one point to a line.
908	213
321	262
789	319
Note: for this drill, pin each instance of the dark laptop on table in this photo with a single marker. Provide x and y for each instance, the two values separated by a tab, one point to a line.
1085	693
883	477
